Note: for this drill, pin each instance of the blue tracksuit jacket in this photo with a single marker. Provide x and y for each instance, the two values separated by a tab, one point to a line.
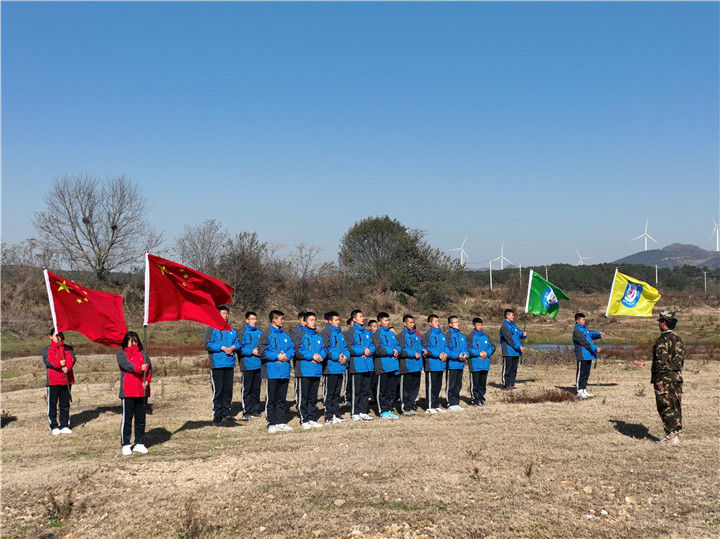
386	345
411	344
435	342
456	345
336	345
271	343
248	337
479	342
358	338
585	348
310	344
510	336
216	338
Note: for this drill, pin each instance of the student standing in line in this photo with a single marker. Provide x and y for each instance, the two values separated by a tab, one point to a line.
249	364
309	357
512	349
457	356
435	342
480	349
387	351
276	349
585	352
59	359
135	376
334	368
221	346
411	365
361	365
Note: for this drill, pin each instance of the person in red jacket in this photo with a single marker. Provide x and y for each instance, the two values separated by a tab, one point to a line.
59	358
135	376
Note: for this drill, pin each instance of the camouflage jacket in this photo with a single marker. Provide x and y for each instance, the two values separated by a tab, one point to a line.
667	358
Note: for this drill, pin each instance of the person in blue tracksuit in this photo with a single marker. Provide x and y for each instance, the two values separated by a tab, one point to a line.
276	350
411	365
309	358
334	367
221	346
387	352
249	364
457	356
435	342
372	327
296	334
480	349
512	349
585	352
360	366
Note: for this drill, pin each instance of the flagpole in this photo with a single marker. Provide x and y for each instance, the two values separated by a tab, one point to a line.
527	300
612	288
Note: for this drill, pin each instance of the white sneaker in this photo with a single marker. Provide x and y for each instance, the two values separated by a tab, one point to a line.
140	448
431	411
456	408
284	426
440	410
356	417
127	450
65	430
365	417
582	394
272	429
336	420
55	431
588	394
305	426
314	424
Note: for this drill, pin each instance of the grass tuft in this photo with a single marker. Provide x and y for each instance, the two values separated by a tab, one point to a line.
544	395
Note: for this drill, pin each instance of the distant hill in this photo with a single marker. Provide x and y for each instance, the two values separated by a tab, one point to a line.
676	254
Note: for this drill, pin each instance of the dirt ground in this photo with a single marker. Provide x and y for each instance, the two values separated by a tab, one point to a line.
570	469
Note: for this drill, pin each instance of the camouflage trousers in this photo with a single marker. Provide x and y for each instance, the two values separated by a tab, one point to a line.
668	406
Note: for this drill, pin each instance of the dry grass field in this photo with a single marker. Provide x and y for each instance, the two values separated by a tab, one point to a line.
512	469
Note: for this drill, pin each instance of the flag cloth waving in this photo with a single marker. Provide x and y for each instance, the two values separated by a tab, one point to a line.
543	296
174	292
631	297
97	315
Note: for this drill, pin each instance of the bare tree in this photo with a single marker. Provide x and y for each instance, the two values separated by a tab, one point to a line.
201	245
31	253
302	267
99	225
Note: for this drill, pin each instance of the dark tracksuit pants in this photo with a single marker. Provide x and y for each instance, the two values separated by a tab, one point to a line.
222	379
583	373
433	383
360	392
275	396
348	387
306	393
453	386
133	407
59	394
409	389
509	372
386	383
331	394
250	394
478	385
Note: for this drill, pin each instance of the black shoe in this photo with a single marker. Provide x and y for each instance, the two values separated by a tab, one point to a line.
228	419
217	420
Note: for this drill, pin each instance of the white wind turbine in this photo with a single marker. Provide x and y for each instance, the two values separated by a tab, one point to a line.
645	235
716	233
582	260
501	258
463	255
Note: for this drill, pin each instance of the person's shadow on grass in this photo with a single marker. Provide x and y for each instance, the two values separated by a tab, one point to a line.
157	436
93	413
633	430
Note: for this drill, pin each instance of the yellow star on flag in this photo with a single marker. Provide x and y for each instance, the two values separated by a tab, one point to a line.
79	300
163	270
63	286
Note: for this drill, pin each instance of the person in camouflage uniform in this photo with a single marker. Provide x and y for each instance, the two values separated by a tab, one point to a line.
667	377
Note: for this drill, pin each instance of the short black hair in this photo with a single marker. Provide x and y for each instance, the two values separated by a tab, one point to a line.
382	314
477	320
432	317
223	308
309	313
301	315
249	314
59	333
330	315
507	312
578	316
129	335
371	321
450	318
275	314
349	321
408	317
354	314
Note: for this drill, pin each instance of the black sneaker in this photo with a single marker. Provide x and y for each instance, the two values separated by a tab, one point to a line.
228	419
217	420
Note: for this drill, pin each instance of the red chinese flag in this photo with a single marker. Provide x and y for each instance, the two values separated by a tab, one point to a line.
174	292
97	315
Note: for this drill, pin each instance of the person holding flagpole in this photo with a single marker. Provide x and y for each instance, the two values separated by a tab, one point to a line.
135	376
59	358
585	352
512	349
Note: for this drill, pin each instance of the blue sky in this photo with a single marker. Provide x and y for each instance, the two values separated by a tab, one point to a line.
547	125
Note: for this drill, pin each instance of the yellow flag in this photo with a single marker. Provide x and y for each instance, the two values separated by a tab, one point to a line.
631	297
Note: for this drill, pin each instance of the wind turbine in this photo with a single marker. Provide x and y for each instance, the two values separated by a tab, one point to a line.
582	260
716	233
645	235
502	258
463	255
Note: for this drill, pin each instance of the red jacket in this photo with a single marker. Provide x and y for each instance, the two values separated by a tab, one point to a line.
52	354
131	377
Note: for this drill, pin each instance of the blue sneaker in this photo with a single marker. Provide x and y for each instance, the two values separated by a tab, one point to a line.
389	415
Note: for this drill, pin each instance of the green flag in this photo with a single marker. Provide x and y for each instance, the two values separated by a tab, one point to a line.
542	296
